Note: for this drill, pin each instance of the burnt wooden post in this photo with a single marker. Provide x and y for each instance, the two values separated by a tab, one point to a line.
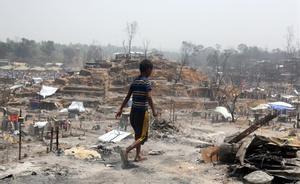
61	124
20	140
57	133
173	111
298	120
51	138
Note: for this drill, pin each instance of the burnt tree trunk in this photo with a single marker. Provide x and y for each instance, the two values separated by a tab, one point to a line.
232	108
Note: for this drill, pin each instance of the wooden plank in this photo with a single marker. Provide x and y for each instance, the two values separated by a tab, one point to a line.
259	123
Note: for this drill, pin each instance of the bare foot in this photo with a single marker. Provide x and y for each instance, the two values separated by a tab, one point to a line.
124	158
139	158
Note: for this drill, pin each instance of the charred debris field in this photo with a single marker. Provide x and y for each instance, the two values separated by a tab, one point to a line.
59	126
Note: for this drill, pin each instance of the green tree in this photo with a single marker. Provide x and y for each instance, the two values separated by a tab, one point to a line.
26	48
69	54
94	53
47	47
4	49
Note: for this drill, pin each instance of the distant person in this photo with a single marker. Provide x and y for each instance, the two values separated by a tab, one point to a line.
140	89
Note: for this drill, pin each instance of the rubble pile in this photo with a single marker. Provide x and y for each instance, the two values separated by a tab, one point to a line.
55	170
103	150
275	156
164	126
87	77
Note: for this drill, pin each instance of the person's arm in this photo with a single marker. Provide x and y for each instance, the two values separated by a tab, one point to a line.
125	101
151	104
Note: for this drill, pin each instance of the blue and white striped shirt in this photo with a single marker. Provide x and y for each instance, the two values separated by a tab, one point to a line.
140	87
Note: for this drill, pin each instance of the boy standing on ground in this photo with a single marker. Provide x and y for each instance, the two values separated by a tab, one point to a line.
140	89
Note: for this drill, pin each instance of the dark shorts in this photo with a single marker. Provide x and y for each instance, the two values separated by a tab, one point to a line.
139	120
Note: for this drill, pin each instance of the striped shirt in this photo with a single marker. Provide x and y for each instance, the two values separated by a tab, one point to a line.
140	88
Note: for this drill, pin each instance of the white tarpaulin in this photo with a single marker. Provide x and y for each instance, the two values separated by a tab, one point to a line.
261	107
47	91
223	111
40	124
77	106
114	136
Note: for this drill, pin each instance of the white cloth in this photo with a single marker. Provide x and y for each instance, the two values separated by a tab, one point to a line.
47	91
223	111
77	106
40	124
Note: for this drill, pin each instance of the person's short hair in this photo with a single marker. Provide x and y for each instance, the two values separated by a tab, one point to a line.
145	65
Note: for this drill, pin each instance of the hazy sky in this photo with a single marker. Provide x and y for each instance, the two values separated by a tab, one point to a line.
164	22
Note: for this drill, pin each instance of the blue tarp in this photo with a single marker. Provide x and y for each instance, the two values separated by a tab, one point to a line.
280	107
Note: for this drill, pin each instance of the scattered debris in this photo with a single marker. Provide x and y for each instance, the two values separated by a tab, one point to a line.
203	144
96	127
277	156
164	126
83	153
10	138
55	170
102	149
156	152
82	138
109	165
7	176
